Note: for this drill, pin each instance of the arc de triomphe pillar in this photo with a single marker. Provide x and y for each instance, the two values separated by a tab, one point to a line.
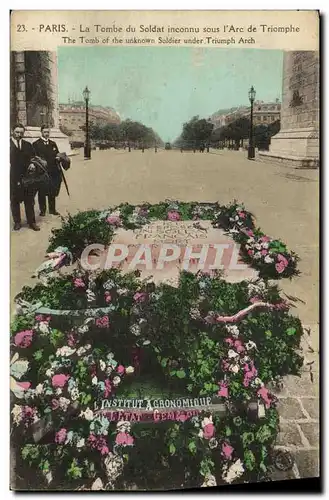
34	95
297	143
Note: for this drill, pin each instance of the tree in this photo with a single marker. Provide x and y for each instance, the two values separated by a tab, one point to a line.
195	132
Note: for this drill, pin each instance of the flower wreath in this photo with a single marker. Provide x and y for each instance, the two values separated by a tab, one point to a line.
150	338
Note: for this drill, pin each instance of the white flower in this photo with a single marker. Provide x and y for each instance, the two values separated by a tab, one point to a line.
64	403
244	360
49	477
231	219
146	342
209	481
236	470
80	443
233	231
90	295
65	351
232	354
123	426
43	327
130	369
94	380
135	330
236	217
17	414
97	485
109	370
122	291
83	350
200	434
74	394
257	255
234	368
39	389
213	443
108	285
257	382
113	466
250	345
247	246
258	246
102	365
265	245
116	381
251	240
268	259
58	391
233	330
49	372
88	414
206	421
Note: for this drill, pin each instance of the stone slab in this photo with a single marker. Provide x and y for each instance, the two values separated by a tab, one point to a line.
183	234
303	386
308	462
312	406
290	409
289	435
311	431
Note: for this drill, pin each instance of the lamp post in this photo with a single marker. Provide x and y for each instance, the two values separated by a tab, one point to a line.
251	147
87	149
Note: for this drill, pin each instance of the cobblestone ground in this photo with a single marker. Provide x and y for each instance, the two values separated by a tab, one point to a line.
285	202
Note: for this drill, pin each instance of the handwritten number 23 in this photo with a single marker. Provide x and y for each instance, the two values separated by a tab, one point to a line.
21	28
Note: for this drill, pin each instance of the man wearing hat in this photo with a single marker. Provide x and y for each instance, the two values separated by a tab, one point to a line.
48	150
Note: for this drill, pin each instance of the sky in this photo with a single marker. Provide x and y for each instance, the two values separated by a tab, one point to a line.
164	87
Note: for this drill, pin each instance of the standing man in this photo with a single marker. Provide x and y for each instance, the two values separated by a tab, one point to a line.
48	150
21	153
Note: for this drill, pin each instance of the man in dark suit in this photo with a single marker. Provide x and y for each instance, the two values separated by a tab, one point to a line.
21	153
48	150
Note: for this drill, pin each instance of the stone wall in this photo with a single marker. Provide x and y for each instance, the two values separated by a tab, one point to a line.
298	140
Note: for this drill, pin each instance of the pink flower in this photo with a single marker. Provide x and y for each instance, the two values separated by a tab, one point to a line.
228	341
79	283
208	431
282	259
24	339
121	369
264	252
249	374
60	436
254	299
225	365
114	220
103	322
108	297
104	450
24	385
227	451
249	232
173	215
264	394
41	317
124	439
265	239
140	297
242	215
108	388
223	390
280	267
59	380
71	340
54	404
250	252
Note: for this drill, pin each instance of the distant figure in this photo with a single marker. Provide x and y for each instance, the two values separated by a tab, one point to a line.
21	153
48	150
202	148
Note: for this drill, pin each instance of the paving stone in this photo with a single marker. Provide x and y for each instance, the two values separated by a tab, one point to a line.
290	409
280	475
311	431
312	407
289	435
302	386
307	462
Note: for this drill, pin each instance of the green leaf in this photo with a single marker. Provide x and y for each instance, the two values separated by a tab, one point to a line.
172	449
38	354
192	447
228	431
268	334
291	331
180	374
164	362
249	460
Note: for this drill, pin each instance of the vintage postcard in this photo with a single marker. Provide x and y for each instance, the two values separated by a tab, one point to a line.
164	194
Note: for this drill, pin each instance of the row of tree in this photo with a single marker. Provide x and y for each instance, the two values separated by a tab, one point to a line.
198	132
128	132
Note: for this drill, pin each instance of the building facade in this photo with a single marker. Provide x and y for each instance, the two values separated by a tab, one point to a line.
264	114
72	117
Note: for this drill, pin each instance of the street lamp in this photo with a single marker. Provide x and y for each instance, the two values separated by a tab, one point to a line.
87	149
251	147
